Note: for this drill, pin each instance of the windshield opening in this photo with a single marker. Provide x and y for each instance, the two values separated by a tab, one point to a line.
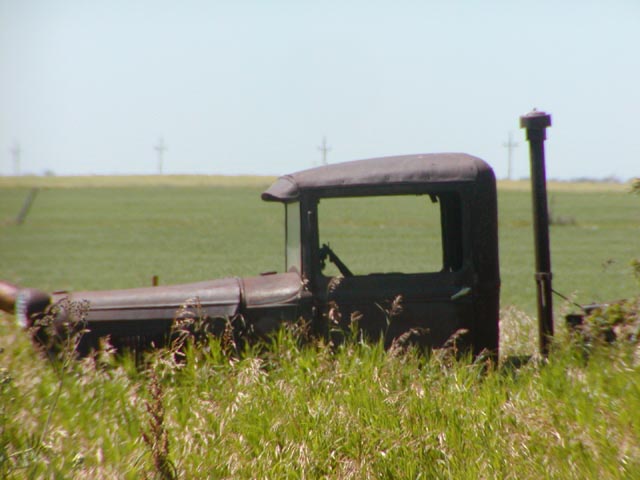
292	237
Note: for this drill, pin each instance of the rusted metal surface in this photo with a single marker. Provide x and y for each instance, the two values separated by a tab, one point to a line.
536	123
148	313
23	302
378	175
462	296
8	295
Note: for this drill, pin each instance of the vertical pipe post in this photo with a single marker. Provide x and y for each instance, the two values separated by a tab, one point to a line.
536	123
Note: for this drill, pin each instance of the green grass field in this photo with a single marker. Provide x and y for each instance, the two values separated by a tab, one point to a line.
360	412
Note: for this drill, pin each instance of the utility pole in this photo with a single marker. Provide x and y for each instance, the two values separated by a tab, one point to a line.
324	149
160	148
15	155
510	145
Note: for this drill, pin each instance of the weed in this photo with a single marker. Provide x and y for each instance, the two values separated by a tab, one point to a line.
63	326
391	312
635	267
5	381
301	331
615	322
60	330
192	327
155	436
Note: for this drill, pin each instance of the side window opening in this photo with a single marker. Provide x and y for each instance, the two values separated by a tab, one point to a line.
393	233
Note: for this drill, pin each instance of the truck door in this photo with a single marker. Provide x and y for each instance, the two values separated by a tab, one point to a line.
395	265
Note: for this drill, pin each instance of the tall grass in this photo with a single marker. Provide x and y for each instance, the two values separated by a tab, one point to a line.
287	411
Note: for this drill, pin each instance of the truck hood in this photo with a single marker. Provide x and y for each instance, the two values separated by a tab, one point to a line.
217	298
151	311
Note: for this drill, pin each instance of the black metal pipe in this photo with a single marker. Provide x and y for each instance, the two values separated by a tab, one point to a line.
536	124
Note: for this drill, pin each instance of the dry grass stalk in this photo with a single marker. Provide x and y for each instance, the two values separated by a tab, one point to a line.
156	437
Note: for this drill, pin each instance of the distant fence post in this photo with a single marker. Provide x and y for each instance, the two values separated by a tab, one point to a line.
536	124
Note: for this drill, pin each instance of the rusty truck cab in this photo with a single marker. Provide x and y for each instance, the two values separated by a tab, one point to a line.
440	267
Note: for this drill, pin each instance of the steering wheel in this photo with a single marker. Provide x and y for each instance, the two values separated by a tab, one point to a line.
326	252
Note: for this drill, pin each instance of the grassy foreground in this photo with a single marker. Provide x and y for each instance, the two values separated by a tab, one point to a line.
291	412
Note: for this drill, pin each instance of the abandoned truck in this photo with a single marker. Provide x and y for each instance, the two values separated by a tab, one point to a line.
458	289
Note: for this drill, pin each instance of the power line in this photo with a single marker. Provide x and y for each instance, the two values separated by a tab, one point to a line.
324	149
510	145
160	148
16	151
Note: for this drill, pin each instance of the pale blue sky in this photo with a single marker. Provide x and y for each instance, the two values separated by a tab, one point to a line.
238	86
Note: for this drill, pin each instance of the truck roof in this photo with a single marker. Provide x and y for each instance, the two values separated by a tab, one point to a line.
403	170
